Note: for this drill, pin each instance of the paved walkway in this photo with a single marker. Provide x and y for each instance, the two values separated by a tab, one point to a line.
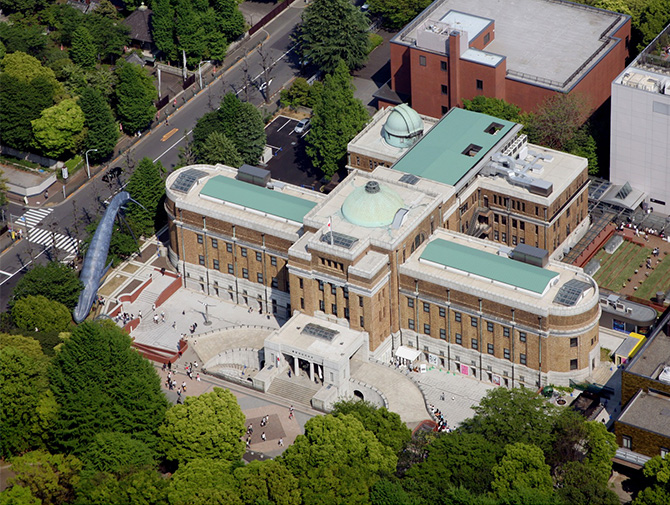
254	405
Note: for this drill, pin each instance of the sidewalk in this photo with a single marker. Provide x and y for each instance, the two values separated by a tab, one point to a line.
76	181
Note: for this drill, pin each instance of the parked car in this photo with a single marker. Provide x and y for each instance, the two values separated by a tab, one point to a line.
302	126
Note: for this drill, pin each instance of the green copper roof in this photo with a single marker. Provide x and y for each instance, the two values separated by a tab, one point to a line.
489	266
257	198
372	206
439	155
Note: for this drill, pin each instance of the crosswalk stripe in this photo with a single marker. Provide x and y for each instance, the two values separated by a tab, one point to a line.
46	238
34	216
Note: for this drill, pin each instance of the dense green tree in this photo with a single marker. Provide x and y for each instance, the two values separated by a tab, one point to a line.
26	88
240	122
26	6
54	280
18	495
581	484
338	117
495	107
115	452
162	27
657	492
207	426
333	30
59	129
204	482
297	95
144	487
27	405
49	477
249	133
41	313
387	426
583	144
29	39
102	384
77	80
110	35
101	130
135	94
62	20
506	416
83	50
3	50
219	149
522	467
458	460
201	29
391	492
146	186
25	67
267	482
337	460
397	13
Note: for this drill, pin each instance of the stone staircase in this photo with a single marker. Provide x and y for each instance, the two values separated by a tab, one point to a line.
294	391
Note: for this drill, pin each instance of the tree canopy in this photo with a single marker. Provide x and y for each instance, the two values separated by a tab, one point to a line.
207	426
102	384
239	122
41	313
337	460
387	426
333	30
54	281
58	130
147	187
338	117
135	94
83	50
51	478
116	453
522	467
202	29
27	404
397	13
101	129
219	149
204	481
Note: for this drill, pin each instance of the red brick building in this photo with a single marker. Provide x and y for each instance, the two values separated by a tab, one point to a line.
522	53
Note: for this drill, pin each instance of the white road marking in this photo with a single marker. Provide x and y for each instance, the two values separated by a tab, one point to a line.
168	149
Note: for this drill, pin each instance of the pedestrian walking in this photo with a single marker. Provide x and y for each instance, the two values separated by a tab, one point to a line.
281	442
140	314
197	377
183	386
153	307
263	436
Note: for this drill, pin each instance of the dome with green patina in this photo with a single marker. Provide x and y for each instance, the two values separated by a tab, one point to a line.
403	127
372	206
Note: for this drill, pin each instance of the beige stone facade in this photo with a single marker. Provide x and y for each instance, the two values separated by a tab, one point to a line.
358	258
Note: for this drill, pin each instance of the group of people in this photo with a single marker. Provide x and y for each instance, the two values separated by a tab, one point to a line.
442	426
124	318
645	231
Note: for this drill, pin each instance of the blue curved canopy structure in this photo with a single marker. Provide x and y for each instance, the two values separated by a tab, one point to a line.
94	262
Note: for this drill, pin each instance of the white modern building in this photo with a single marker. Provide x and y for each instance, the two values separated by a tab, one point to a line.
640	136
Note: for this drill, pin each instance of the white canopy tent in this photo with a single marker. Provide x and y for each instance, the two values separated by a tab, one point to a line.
407	353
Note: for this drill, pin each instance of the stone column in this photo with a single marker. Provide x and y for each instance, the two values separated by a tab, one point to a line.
311	371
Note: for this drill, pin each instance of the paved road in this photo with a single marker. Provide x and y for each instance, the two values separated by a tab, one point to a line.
66	222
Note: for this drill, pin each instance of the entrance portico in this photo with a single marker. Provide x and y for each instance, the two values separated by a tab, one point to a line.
316	349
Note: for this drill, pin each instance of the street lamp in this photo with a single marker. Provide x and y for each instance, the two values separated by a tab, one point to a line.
88	167
200	70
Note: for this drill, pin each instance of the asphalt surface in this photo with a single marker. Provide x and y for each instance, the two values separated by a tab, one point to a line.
68	219
289	162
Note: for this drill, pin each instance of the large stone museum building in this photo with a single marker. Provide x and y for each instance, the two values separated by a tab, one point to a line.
444	243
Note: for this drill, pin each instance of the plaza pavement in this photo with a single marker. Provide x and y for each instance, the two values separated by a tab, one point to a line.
234	326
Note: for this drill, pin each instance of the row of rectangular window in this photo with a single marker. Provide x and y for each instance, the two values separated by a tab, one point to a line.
243	250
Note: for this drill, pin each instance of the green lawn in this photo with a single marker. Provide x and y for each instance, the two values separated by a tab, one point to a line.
617	268
659	280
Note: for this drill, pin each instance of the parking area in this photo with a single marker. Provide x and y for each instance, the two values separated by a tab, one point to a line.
289	162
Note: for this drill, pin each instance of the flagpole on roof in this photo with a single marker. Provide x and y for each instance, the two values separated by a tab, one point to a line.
330	228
